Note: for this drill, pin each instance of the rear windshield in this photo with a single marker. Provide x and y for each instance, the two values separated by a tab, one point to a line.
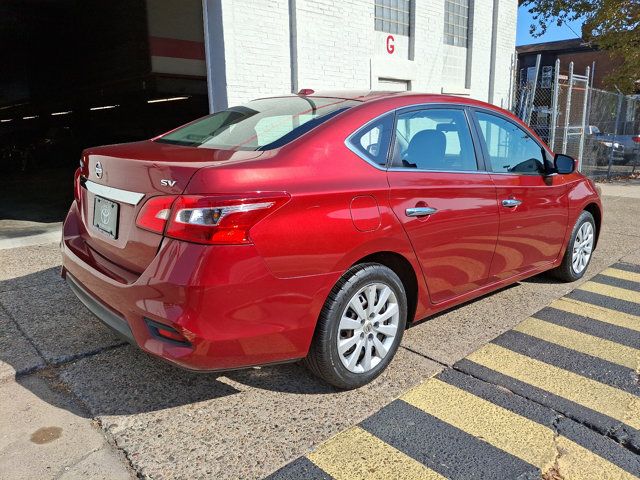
258	125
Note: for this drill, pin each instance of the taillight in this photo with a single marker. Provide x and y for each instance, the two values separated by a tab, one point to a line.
636	138
76	184
77	179
154	213
221	220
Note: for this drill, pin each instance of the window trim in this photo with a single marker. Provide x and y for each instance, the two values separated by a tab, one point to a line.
485	151
471	122
350	144
480	163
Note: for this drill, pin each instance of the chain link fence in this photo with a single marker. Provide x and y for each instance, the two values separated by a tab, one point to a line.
600	128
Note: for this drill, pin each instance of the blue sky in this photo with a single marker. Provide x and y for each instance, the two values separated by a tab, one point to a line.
553	32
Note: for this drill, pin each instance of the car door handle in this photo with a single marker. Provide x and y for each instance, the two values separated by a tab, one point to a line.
511	202
420	211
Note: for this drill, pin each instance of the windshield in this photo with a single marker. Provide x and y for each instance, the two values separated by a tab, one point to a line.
258	125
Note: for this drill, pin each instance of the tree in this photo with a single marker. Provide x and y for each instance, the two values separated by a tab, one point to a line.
611	25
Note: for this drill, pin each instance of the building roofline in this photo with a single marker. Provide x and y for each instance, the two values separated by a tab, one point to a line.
572	44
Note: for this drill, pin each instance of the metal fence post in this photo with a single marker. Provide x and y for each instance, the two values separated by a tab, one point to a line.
615	133
584	119
532	99
513	80
635	130
567	112
554	105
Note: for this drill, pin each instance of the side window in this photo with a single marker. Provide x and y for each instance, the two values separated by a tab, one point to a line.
434	139
511	149
372	141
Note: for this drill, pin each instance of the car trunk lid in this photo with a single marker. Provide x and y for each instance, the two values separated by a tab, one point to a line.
120	178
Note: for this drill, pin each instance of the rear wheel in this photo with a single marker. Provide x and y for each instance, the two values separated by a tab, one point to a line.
360	327
578	255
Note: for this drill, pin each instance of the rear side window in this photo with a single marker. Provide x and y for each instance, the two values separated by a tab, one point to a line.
258	125
372	141
434	139
510	148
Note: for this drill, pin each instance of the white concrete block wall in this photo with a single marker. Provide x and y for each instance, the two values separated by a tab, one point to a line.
505	48
334	43
429	45
338	48
481	49
256	43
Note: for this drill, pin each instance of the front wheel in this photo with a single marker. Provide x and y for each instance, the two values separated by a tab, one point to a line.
578	255
360	327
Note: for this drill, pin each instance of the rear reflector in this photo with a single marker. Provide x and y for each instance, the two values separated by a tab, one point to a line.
166	333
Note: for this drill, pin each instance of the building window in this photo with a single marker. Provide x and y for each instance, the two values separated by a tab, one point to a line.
456	22
392	16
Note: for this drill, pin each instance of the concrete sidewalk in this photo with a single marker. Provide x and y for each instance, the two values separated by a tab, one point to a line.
21	233
622	188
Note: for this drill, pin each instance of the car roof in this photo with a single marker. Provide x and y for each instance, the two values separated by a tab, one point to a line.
374	96
366	96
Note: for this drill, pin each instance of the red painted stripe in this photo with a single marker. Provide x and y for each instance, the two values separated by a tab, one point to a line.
172	47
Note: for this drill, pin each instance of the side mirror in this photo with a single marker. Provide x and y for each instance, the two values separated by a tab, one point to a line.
564	164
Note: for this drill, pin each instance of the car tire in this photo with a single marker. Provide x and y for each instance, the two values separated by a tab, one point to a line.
372	338
579	250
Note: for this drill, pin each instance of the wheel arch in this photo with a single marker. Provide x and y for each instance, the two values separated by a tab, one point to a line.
405	271
595	211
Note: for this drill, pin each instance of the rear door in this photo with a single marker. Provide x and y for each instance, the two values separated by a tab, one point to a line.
444	198
533	206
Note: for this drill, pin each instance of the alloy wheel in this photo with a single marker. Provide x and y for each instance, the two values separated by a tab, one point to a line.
368	327
582	247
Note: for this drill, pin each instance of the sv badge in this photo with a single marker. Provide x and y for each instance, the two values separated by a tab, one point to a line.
167	183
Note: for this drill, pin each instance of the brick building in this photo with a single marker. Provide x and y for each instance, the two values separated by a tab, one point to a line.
574	50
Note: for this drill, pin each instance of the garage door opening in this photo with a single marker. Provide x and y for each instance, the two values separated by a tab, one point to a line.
393	85
81	73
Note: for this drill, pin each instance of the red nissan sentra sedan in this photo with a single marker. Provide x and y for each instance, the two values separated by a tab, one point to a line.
317	227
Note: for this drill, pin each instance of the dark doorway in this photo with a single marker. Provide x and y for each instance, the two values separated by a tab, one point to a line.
78	73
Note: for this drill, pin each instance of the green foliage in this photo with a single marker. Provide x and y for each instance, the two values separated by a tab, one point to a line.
612	25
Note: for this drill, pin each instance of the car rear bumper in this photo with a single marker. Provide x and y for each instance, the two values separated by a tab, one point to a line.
224	301
106	316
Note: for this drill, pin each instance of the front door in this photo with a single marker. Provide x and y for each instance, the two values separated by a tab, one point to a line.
444	199
533	206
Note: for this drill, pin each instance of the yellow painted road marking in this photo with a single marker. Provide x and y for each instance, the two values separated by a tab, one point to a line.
581	342
610	291
579	463
530	441
622	274
502	428
597	396
613	317
356	454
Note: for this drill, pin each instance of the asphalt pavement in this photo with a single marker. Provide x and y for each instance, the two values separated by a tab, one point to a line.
557	396
77	402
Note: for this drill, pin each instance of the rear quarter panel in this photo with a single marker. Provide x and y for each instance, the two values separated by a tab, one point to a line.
314	233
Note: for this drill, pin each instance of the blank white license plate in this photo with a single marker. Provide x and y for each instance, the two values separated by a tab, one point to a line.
105	216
